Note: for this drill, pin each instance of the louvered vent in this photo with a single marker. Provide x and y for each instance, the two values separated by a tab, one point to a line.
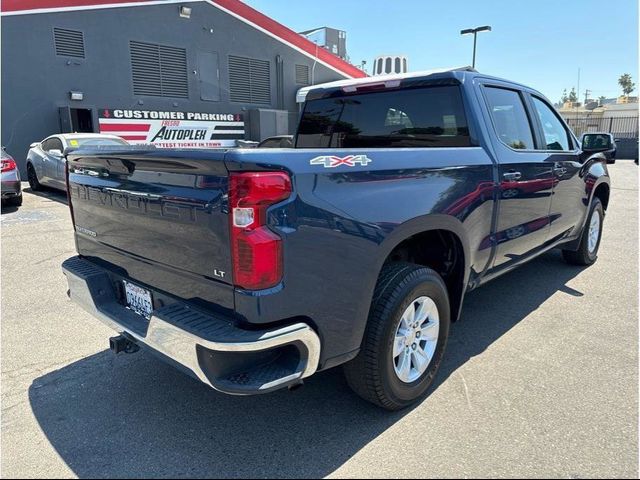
249	80
159	70
68	43
302	75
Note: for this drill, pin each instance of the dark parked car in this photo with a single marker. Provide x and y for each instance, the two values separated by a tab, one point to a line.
11	188
253	269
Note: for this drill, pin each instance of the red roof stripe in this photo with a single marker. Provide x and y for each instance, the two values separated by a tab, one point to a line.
277	29
134	138
236	7
124	127
21	5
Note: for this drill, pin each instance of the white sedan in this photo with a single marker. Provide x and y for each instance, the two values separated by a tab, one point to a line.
46	162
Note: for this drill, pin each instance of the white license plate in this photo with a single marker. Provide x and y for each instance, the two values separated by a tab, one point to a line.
138	299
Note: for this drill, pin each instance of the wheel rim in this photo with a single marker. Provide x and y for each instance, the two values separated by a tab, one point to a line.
416	339
594	231
512	192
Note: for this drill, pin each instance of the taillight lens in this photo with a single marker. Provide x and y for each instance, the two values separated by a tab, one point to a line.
8	164
256	250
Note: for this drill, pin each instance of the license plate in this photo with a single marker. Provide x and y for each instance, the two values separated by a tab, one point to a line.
138	299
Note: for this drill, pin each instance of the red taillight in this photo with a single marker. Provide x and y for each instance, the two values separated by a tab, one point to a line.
256	250
8	164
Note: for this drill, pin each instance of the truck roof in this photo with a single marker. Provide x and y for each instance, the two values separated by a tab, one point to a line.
466	71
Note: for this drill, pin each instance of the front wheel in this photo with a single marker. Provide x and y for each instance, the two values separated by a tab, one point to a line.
32	177
405	338
587	252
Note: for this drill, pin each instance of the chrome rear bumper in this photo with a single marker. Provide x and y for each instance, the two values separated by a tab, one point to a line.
220	354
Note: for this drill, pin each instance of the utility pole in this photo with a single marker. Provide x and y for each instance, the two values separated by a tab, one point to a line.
587	92
485	28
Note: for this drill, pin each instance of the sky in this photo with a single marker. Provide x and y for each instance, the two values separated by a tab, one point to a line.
541	43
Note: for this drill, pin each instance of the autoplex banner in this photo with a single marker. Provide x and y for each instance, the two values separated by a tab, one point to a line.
173	129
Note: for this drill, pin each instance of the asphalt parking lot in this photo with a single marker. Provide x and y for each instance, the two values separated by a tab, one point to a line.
540	379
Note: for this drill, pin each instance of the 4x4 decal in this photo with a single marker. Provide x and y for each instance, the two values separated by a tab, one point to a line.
333	161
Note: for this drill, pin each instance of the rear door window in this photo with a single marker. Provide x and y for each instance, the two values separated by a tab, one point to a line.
416	117
510	118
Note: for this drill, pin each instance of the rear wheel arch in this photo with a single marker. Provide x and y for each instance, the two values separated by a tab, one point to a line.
438	242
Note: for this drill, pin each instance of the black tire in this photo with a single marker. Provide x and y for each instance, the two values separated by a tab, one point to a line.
14	201
372	374
32	177
583	256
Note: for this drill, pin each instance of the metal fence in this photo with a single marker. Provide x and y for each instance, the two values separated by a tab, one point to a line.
621	127
624	129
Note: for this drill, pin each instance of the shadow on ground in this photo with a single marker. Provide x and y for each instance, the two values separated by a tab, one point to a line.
59	196
133	416
48	193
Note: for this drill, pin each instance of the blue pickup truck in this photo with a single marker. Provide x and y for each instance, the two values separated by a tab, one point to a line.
252	269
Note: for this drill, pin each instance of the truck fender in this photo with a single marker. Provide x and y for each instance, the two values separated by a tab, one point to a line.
426	223
595	175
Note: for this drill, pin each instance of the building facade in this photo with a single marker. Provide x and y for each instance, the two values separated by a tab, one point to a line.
202	73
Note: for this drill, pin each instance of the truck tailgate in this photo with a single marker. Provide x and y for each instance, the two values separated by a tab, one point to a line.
158	217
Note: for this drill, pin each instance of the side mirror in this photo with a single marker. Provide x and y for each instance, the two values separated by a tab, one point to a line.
596	142
34	144
55	153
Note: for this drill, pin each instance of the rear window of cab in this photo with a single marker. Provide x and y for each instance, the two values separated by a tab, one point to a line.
416	117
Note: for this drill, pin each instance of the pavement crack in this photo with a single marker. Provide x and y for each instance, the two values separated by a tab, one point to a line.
466	390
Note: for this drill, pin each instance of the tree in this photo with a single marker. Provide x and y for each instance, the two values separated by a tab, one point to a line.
601	99
573	96
564	99
626	84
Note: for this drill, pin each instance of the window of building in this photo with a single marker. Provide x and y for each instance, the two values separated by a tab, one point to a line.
68	43
159	70
302	75
249	80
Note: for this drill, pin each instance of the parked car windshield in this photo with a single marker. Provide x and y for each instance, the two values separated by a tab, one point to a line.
88	141
416	117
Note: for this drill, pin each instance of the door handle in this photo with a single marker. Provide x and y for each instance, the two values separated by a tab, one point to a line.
559	170
512	176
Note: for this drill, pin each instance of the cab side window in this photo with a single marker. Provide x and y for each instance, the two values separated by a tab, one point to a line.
556	136
510	118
